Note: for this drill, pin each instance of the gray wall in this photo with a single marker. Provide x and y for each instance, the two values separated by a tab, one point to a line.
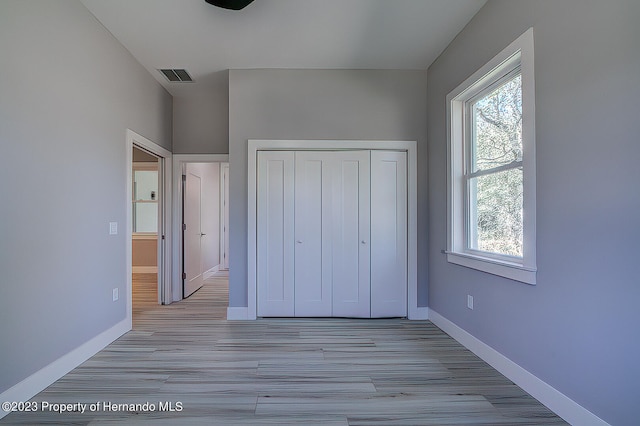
201	119
68	93
319	104
577	329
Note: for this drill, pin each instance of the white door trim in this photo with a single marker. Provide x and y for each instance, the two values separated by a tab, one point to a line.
179	161
224	216
164	225
255	145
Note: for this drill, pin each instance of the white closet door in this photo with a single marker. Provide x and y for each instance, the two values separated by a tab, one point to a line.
275	239
350	240
388	234
313	234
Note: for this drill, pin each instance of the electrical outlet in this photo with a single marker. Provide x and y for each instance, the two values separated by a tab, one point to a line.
113	228
115	294
470	301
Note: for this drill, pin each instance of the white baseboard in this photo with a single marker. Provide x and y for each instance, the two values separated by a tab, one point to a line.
210	272
43	378
420	313
144	269
553	399
237	313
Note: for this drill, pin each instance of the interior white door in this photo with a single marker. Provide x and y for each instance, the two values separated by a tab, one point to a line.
388	234
224	232
192	235
313	234
275	238
351	234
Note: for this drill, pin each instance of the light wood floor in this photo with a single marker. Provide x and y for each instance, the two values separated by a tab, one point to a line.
144	293
285	372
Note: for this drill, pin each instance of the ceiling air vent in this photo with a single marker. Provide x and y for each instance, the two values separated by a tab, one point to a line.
177	75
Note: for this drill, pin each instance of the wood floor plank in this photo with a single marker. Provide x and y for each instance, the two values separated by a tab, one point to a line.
331	372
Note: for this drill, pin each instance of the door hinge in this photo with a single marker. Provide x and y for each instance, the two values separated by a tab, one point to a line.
184	226
163	237
184	178
184	275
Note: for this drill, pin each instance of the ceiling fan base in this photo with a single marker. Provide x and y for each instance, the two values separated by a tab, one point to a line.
230	4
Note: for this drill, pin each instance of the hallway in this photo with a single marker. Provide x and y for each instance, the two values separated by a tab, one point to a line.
284	372
210	301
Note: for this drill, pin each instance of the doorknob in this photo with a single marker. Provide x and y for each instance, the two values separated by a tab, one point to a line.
299	241
363	242
202	235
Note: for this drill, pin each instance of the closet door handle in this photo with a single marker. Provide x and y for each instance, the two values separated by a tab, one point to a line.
299	241
363	241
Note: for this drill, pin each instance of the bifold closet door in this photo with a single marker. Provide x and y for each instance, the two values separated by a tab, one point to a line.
332	234
388	234
313	195
275	234
351	234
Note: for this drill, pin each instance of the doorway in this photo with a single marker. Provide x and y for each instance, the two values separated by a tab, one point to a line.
148	223
144	238
201	223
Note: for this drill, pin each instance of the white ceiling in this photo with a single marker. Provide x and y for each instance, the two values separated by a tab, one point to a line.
325	34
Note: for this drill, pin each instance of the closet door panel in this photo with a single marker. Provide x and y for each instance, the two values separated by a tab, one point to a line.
275	239
313	234
351	206
388	234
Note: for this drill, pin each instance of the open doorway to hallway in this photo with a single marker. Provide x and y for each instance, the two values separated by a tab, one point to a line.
204	241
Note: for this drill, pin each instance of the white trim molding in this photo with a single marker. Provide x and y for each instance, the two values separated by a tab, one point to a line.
211	272
422	313
518	56
237	313
410	147
552	398
44	377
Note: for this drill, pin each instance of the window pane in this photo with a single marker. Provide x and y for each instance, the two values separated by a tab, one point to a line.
497	126
145	185
496	212
145	217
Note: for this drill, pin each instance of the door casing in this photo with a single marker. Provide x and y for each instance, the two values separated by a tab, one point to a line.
224	216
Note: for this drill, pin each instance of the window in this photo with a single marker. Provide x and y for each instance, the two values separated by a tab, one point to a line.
491	187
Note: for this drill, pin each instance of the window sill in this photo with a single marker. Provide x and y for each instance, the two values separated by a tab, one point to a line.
144	236
504	269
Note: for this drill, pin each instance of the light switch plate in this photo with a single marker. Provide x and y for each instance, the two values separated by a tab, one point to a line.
113	228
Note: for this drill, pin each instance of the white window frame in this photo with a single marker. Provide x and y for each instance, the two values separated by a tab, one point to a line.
518	54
